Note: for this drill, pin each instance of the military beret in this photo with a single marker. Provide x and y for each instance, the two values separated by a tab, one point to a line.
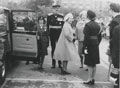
55	6
115	7
91	14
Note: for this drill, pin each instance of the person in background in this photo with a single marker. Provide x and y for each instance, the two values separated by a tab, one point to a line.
91	42
80	36
65	49
55	24
43	40
115	42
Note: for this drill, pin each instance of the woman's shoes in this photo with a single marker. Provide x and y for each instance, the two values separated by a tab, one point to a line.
86	69
91	82
81	67
64	72
67	73
40	67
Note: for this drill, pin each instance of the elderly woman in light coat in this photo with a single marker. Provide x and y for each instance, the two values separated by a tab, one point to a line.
65	48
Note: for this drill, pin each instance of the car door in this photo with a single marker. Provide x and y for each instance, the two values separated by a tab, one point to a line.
24	40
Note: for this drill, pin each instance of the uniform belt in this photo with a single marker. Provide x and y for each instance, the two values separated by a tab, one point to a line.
93	37
55	27
42	33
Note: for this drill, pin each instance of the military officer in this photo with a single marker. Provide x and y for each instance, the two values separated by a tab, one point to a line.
55	24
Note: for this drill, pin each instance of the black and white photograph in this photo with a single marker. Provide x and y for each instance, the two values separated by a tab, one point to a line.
59	43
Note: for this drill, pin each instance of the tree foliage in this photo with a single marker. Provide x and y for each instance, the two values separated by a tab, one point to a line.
35	4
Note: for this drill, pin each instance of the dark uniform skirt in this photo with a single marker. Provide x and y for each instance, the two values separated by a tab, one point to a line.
92	58
43	43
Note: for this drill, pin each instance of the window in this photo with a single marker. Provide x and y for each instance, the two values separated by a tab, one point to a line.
24	21
3	22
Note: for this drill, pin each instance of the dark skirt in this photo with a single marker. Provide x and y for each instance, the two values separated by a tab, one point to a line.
43	45
92	58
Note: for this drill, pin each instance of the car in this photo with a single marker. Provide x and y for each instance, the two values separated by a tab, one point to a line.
2	63
18	39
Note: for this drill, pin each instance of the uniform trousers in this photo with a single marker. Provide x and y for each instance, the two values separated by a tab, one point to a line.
54	36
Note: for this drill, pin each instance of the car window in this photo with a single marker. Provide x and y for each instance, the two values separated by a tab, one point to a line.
3	22
24	21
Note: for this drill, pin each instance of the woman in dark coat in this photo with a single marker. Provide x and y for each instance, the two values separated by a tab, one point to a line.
43	40
115	42
91	42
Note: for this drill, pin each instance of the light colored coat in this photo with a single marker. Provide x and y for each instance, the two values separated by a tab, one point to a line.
65	48
79	30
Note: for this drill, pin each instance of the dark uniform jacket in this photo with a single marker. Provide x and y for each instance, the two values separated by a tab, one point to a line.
54	24
54	20
43	40
43	35
91	32
91	42
115	39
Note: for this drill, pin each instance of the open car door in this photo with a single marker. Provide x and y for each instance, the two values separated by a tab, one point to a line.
24	42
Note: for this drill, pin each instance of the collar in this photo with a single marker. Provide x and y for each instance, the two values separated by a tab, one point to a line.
115	14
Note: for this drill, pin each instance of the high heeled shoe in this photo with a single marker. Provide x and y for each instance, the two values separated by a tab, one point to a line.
62	71
67	73
91	82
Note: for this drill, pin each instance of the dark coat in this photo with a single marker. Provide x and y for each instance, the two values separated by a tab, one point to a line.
91	41
43	41
115	40
116	45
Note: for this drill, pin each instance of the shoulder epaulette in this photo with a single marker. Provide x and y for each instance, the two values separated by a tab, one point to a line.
50	14
61	14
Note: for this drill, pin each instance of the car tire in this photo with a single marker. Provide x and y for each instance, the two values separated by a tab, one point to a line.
2	73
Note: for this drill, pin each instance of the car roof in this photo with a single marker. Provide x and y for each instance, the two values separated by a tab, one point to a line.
4	8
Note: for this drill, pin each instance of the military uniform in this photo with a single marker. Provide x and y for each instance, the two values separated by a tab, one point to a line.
43	41
54	24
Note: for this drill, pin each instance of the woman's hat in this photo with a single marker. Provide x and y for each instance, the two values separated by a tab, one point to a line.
55	5
69	15
91	14
41	18
115	7
83	14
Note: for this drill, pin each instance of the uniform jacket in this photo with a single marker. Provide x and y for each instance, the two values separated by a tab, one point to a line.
115	39
91	30
42	34
55	20
79	30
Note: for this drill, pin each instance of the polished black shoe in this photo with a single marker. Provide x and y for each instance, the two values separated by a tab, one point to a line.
86	69
81	67
53	67
60	66
62	71
67	73
41	68
91	82
27	63
35	62
116	86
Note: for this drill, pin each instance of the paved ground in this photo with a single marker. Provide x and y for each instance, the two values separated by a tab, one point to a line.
51	84
28	76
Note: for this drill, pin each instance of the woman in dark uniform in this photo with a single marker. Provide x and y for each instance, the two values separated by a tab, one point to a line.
91	42
115	42
43	40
